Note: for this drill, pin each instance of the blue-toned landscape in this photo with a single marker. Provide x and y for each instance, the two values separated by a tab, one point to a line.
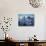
26	20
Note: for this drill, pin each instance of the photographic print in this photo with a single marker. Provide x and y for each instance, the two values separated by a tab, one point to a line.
26	19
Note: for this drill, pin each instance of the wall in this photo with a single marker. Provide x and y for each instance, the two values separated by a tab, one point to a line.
10	8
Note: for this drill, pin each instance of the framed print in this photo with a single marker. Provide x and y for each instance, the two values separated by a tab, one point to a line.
25	19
